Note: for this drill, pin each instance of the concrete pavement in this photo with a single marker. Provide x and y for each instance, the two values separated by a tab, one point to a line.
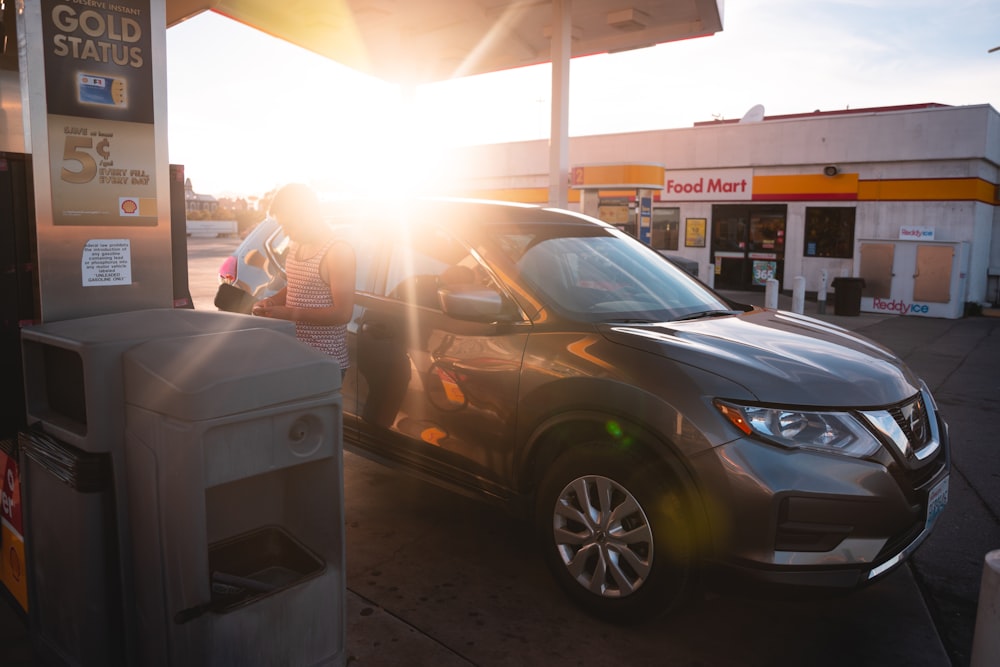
435	579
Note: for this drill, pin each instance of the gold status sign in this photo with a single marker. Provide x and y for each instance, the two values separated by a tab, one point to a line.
99	97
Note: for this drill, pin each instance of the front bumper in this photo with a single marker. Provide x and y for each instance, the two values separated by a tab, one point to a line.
812	520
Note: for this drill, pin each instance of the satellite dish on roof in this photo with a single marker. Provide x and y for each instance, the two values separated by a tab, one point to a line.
754	115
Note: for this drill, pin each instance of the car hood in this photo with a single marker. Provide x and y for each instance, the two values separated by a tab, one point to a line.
780	357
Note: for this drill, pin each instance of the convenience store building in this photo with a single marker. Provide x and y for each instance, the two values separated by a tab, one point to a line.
904	197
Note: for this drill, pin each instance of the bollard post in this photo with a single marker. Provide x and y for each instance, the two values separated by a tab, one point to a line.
771	294
798	294
986	637
710	277
821	293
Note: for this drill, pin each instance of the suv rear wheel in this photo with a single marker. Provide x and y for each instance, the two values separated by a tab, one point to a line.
615	533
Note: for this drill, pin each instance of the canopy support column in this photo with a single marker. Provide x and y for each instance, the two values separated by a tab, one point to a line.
562	36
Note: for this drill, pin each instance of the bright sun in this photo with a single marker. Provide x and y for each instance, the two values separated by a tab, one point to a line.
304	118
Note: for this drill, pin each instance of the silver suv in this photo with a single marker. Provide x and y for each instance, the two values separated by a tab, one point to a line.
652	430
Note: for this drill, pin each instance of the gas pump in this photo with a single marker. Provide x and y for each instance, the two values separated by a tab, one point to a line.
104	337
18	305
606	192
98	139
85	212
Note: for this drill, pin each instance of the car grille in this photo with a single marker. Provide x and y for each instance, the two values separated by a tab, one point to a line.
916	456
910	429
913	420
911	433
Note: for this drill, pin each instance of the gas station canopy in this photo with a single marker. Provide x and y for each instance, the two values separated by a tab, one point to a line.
414	42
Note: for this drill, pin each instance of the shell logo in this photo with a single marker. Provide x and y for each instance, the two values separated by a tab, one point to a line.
129	207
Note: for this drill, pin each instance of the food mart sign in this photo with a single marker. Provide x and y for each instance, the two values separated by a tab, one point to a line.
708	185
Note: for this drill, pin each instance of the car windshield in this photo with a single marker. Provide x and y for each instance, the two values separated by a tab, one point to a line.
601	275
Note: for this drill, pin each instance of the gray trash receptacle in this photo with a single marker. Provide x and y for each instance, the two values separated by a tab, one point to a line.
235	488
688	265
847	295
77	538
71	548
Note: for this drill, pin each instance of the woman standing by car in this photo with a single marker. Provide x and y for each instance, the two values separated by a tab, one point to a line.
319	294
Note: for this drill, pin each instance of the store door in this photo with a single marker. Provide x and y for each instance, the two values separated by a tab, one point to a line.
748	244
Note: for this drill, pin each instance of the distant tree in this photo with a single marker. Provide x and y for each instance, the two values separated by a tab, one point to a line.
223	213
247	220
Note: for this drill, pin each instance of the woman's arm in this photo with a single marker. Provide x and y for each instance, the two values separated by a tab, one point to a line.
262	307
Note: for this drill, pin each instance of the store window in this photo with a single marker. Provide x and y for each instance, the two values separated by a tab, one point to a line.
665	233
829	232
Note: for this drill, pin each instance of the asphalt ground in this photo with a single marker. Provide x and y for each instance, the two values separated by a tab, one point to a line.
438	579
960	362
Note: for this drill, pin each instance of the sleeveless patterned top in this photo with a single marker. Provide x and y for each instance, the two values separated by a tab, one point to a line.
306	289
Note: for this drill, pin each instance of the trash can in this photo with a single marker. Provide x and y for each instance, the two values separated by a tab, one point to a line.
71	548
688	265
77	538
235	491
847	295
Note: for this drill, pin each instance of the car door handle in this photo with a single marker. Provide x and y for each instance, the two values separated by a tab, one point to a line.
376	330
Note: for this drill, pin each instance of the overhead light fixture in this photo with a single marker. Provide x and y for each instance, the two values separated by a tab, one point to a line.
628	19
830	170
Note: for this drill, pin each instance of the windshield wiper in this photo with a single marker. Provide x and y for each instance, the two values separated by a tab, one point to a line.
706	313
626	320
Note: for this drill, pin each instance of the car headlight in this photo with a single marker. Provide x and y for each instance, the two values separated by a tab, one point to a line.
835	432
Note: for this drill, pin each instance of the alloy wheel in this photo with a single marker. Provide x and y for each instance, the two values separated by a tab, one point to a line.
603	536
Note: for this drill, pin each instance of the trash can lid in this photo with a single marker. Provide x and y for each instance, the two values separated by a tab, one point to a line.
128	328
848	280
225	373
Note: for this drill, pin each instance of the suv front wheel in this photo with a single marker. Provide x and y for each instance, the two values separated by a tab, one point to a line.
615	533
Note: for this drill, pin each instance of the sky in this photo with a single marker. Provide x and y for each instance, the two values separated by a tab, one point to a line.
248	112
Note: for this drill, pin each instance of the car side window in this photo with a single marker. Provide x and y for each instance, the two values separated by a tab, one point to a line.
365	254
423	263
277	245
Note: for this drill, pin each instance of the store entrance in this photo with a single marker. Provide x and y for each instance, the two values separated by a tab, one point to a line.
748	244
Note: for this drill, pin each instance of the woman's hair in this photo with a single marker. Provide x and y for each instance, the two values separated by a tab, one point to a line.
295	199
297	204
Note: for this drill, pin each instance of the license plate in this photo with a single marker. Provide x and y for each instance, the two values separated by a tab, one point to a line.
936	501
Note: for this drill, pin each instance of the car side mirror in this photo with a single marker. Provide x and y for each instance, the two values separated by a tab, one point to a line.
475	304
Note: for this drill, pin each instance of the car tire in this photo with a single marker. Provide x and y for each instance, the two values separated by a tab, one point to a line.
616	534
